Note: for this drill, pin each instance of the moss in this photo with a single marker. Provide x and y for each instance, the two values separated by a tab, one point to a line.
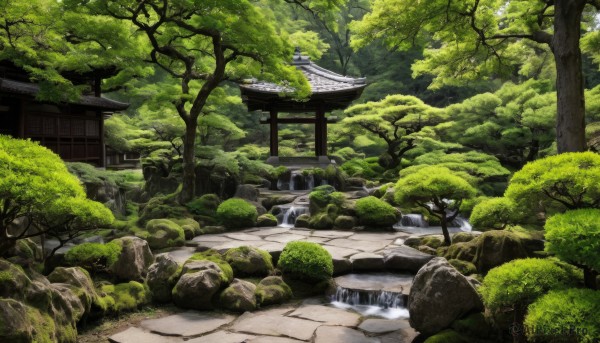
190	227
344	222
447	336
374	212
320	221
122	297
464	251
465	268
272	290
94	257
163	233
474	325
205	205
265	220
306	261
463	237
237	213
218	259
161	207
44	328
432	241
246	261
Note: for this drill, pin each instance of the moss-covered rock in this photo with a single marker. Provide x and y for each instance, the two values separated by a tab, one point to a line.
205	205
475	326
497	247
344	222
376	213
162	277
239	296
320	221
80	279
161	207
303	221
225	270
94	257
15	325
266	220
464	251
306	261
163	233
272	290
433	241
195	289
237	213
447	336
134	259
463	237
13	280
122	297
191	228
465	268
249	261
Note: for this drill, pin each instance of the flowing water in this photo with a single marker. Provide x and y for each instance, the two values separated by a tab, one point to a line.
414	223
290	215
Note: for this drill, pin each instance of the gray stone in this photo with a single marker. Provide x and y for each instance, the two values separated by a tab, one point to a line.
134	260
161	277
248	192
327	315
337	252
239	296
396	283
440	295
341	266
332	234
369	246
78	278
210	238
366	261
316	239
272	290
273	325
405	258
413	241
222	337
270	339
135	335
187	324
196	290
284	238
376	237
180	255
379	326
222	248
267	231
330	334
240	236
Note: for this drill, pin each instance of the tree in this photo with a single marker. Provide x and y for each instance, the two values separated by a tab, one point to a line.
35	185
201	44
394	119
477	38
493	213
573	237
438	190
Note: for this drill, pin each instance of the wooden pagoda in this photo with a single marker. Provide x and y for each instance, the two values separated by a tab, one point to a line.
330	91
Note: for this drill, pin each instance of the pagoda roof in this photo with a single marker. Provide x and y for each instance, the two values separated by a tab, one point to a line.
32	89
329	90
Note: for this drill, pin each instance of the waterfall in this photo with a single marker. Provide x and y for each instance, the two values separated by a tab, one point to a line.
289	217
310	182
462	224
413	220
381	299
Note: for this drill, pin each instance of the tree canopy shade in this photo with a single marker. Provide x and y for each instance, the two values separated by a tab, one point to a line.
201	44
476	38
574	236
36	185
438	190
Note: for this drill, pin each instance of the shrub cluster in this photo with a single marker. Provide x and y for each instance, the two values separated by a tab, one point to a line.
306	261
94	257
374	212
236	213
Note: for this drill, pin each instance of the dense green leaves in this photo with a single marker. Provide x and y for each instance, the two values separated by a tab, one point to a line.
493	213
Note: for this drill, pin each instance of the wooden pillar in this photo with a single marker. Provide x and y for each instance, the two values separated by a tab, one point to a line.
274	134
102	142
320	133
324	136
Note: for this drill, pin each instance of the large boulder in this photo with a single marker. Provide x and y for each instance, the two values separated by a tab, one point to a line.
249	261
440	295
163	233
162	276
79	279
497	247
247	192
13	280
199	282
239	296
134	260
272	290
16	325
405	258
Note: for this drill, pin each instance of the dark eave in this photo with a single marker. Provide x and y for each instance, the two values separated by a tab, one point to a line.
30	89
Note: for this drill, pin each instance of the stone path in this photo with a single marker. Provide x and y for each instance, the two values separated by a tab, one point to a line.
308	321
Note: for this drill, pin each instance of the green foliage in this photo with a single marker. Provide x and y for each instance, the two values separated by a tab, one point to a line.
374	212
306	261
122	297
35	183
562	182
493	213
205	205
464	267
216	257
447	336
520	282
360	167
574	236
236	213
163	233
94	257
161	207
552	317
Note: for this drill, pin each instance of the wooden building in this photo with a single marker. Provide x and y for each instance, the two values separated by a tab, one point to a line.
75	131
330	91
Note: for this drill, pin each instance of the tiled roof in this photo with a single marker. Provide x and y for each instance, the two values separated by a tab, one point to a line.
321	80
31	89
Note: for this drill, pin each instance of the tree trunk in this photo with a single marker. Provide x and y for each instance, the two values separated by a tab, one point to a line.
517	329
589	278
189	162
570	121
444	223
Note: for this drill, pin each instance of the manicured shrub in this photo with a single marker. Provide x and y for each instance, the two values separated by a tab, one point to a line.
374	212
218	259
493	213
236	213
205	205
94	257
516	284
564	316
306	261
574	236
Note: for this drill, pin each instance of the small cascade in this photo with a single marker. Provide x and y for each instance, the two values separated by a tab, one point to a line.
296	180
462	224
310	181
413	220
382	295
289	217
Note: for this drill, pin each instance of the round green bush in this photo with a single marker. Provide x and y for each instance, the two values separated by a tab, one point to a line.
520	282
493	213
306	261
564	316
574	236
374	212
205	205
236	213
94	257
